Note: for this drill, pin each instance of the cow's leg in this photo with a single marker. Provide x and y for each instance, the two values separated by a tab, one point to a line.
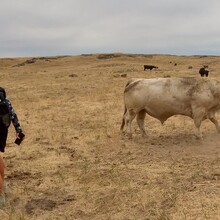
123	119
140	121
126	120
197	123
213	119
199	115
129	118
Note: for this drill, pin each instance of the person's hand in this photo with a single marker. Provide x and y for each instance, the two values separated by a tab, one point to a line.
17	135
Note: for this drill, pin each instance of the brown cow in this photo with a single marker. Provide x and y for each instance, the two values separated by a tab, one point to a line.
198	98
150	67
203	72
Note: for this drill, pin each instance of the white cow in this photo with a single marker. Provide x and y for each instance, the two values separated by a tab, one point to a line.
198	98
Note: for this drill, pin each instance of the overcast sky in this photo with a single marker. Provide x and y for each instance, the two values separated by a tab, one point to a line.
74	27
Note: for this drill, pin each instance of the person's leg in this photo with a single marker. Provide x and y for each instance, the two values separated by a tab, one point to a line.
2	195
2	169
3	139
3	136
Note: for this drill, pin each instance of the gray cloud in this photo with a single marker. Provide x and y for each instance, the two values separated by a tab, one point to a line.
52	27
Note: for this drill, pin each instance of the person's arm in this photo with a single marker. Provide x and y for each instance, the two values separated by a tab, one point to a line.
13	117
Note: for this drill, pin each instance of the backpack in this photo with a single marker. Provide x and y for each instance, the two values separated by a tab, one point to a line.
4	110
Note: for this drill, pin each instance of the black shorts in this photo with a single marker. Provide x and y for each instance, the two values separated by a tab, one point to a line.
3	136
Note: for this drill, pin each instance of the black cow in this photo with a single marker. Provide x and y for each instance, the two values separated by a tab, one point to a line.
203	72
150	67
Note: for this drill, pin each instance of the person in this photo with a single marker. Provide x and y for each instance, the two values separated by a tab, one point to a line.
7	115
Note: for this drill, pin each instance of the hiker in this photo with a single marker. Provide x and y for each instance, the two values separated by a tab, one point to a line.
7	115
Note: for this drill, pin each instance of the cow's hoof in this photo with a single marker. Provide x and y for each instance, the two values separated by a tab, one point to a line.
198	137
129	136
145	135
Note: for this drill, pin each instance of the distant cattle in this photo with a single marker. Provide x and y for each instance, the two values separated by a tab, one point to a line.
203	72
161	98
150	67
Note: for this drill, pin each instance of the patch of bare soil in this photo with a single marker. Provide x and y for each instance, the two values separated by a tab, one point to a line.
43	204
75	164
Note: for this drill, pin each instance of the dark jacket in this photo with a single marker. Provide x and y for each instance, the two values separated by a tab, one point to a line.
13	116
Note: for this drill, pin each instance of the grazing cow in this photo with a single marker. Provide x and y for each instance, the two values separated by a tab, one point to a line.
161	98
203	72
150	67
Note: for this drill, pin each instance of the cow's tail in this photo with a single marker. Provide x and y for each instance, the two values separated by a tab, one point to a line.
130	84
123	119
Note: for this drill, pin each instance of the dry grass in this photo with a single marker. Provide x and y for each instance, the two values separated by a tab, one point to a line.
75	164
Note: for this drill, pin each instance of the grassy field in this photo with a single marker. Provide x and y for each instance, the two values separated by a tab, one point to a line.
74	162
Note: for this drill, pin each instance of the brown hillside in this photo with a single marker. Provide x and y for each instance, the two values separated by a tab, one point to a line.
75	164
